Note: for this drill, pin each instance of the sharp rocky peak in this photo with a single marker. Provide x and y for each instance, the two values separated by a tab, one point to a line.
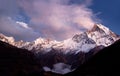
99	28
102	35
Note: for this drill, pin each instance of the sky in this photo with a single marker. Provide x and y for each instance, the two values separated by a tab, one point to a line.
56	19
109	13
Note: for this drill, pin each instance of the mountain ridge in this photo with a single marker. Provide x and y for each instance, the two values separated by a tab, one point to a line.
98	35
104	63
77	49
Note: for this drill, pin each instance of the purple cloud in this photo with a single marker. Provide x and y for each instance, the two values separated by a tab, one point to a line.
54	19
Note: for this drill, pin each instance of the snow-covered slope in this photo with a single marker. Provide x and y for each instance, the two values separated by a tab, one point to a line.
102	35
98	35
7	39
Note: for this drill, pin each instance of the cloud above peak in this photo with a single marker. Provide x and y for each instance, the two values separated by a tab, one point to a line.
58	19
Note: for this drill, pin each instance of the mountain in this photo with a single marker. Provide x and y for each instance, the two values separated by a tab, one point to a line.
97	36
67	55
102	35
105	63
7	39
20	62
17	62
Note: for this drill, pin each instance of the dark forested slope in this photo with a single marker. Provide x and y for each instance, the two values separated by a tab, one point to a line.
104	63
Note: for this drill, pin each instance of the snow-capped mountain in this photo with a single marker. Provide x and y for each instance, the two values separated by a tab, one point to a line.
7	39
73	51
98	35
102	35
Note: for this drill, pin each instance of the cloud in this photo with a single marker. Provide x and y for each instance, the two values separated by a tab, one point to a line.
59	18
18	30
56	19
23	25
10	27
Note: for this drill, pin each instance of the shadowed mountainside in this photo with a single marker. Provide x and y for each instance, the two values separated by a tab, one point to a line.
104	63
20	62
17	62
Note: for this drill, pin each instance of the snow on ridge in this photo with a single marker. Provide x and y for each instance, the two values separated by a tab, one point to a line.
80	42
103	38
7	39
106	30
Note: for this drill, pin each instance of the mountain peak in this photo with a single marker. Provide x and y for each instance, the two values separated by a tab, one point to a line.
103	29
100	28
7	39
102	35
95	27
